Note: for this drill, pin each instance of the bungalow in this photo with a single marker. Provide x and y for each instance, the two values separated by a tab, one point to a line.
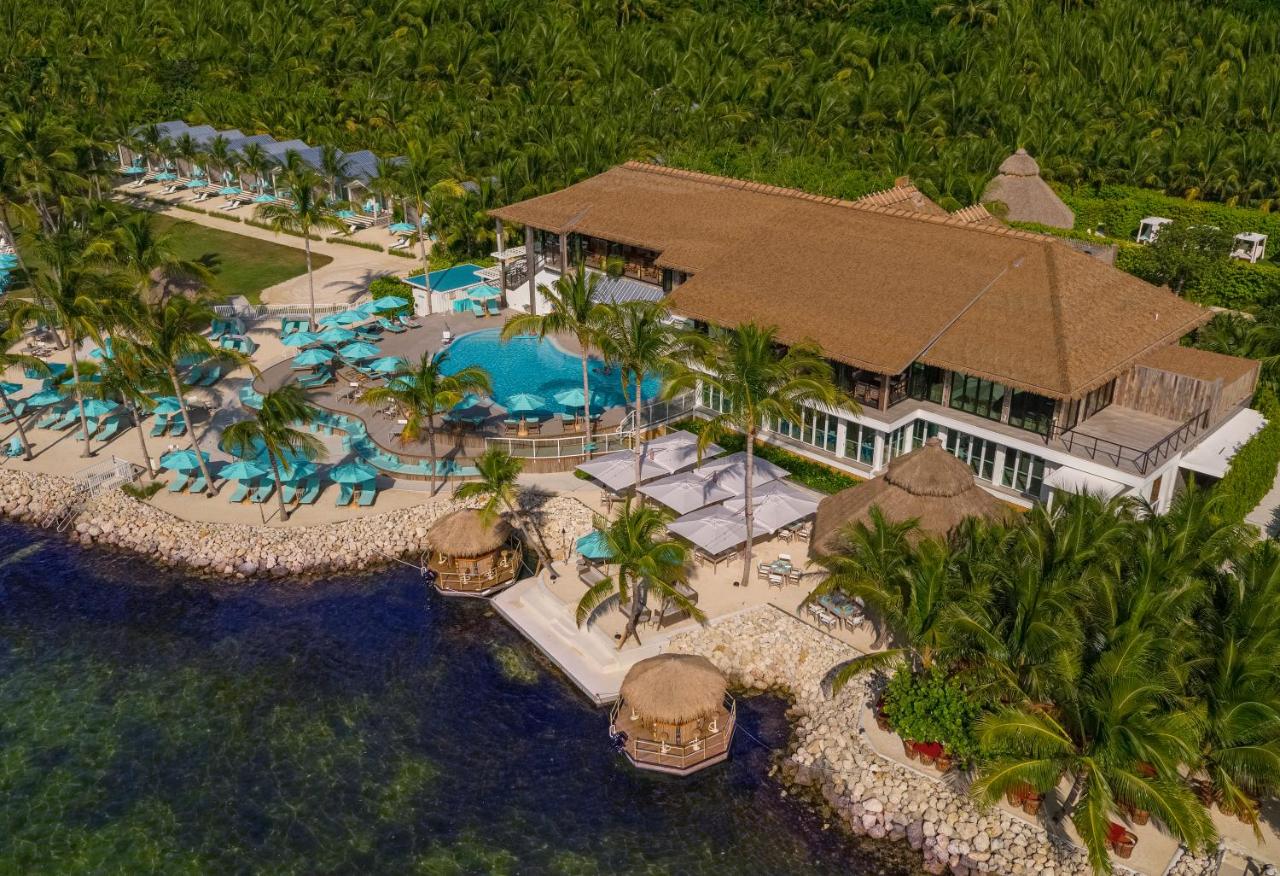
1041	367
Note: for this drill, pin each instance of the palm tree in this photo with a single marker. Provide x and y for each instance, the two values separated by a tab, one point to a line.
171	333
149	257
761	384
303	212
498	484
125	375
422	390
573	310
42	153
9	335
646	566
254	159
271	429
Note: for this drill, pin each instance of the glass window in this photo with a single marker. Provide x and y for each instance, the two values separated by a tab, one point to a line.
713	398
1023	471
815	428
859	443
922	431
926	382
898	442
974	396
977	452
1031	412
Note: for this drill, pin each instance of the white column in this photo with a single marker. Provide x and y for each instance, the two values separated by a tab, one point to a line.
877	458
842	430
997	476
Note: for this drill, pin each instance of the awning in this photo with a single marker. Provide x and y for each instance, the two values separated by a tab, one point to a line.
710	483
1071	480
1214	453
715	529
662	456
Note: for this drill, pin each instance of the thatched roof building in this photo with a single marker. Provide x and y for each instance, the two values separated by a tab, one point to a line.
928	485
1028	197
673	714
471	555
465	533
674	688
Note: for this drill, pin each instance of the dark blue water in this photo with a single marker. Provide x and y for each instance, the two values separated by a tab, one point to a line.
152	724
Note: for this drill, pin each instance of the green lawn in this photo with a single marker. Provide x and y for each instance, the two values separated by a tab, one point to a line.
241	265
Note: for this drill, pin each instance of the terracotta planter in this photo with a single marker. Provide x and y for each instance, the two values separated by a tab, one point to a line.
909	749
1139	816
944	763
1124	848
1031	805
883	722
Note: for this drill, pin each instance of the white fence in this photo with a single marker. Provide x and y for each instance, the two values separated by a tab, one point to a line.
104	475
265	311
564	446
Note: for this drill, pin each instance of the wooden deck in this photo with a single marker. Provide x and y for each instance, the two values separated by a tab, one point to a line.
651	754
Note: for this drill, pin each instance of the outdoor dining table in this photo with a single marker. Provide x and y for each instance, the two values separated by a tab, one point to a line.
844	609
780	567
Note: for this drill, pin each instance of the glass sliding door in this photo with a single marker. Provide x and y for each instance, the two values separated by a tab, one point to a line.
975	396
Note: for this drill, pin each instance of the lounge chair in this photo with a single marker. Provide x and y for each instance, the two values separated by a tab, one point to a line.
477	309
408	321
311	381
368	333
493	307
388	325
402	243
212	376
70	418
179	483
263	492
240	493
19	408
310	493
177	427
367	495
290	492
108	430
533	427
14	447
47	421
203	194
569	422
194	375
346	492
198	484
160	426
511	427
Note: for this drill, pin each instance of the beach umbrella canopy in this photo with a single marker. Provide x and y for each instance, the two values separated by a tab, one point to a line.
44	398
484	293
711	482
242	470
359	350
165	176
714	529
524	401
133	170
777	504
297	470
314	356
299	339
593	546
182	460
10	388
264	199
367	309
387	364
355	471
389	302
573	398
230	190
96	407
104	350
166	405
335	335
401	228
196	183
346	317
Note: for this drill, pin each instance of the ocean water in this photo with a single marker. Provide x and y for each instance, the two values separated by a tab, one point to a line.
150	723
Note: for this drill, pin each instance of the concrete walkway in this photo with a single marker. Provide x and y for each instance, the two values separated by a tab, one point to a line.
1267	515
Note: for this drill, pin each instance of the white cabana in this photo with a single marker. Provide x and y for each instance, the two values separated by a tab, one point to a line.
662	456
711	482
1071	480
1213	455
714	530
776	504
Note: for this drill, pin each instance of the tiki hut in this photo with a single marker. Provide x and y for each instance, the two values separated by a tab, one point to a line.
928	485
471	555
1026	196
673	714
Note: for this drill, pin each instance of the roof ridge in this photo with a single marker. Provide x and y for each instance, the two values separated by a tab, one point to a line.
1055	304
974	213
800	194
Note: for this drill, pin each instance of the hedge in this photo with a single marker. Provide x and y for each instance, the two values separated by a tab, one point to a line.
1230	283
1117	210
266	227
359	244
1253	470
814	475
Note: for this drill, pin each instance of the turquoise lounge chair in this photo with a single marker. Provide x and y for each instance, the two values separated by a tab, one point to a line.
477	309
312	381
241	491
179	483
493	307
19	408
290	492
68	419
388	325
160	426
310	494
199	485
367	494
177	427
346	492
263	492
291	324
212	376
108	430
194	375
47	421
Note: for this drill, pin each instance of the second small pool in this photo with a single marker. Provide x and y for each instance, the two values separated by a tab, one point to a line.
448	279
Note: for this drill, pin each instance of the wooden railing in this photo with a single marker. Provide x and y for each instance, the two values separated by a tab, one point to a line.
671	756
1142	459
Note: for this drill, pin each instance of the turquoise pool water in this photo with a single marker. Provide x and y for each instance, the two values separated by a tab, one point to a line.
448	279
537	367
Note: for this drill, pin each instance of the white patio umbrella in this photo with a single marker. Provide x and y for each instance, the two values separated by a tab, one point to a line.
712	482
777	504
662	456
715	529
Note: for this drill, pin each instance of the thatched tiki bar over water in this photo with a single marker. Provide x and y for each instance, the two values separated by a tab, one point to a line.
674	715
471	556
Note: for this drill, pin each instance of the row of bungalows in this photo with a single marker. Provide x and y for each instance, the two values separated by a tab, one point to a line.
254	162
1043	368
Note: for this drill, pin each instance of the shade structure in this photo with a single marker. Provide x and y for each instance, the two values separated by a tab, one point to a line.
300	339
96	407
335	335
711	482
389	302
44	398
574	398
359	350
355	471
297	470
715	529
674	688
230	190
927	485
593	546
483	293
387	364
524	401
467	533
166	405
242	470
662	456
401	228
182	460
314	356
776	504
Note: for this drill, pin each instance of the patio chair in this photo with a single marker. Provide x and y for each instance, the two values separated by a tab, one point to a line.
785	557
241	491
510	427
533	427
160	426
367	495
346	492
569	422
263	492
198	484
763	571
108	430
310	493
179	483
775	581
177	427
388	325
794	576
446	338
493	307
827	620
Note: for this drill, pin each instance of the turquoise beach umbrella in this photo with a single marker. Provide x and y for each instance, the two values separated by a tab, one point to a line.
104	350
355	471
44	398
10	388
230	190
573	398
299	339
359	350
242	470
593	546
133	170
96	407
314	356
524	401
166	405
387	364
166	176
182	460
336	335
388	302
264	199
401	228
196	183
484	293
298	470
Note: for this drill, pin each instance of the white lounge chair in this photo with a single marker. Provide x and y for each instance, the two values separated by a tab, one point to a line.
402	243
446	338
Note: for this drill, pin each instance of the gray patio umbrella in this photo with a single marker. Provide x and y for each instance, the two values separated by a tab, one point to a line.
714	529
777	504
662	456
710	483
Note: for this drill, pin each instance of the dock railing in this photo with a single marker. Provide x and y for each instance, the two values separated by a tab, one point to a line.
654	414
680	757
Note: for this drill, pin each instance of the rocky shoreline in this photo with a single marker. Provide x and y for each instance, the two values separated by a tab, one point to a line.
767	649
234	550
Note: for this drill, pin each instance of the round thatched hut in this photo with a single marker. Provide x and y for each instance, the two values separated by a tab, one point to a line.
673	714
1026	196
472	556
928	485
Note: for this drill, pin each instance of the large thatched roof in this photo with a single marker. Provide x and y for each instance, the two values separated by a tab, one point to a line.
1019	187
674	688
928	485
464	533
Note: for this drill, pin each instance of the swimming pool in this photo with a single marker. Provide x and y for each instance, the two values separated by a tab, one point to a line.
539	367
448	279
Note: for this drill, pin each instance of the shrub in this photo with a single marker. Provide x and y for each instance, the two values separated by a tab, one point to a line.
404	254
1253	469
931	706
359	244
814	475
191	209
142	492
256	224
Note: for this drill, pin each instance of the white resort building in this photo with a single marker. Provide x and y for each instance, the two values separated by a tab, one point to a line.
1041	367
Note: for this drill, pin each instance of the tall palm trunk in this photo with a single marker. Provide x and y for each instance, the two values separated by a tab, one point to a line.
749	512
275	471
633	616
586	399
426	263
191	431
311	280
431	452
524	524
75	376
142	438
1073	797
22	433
639	442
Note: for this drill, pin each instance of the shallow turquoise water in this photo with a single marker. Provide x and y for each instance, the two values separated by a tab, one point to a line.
152	724
538	367
448	279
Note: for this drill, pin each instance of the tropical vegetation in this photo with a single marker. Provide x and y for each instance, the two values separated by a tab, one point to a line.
272	432
498	484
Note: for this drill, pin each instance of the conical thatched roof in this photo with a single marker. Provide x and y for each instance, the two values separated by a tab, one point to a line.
1028	198
674	688
464	533
928	485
